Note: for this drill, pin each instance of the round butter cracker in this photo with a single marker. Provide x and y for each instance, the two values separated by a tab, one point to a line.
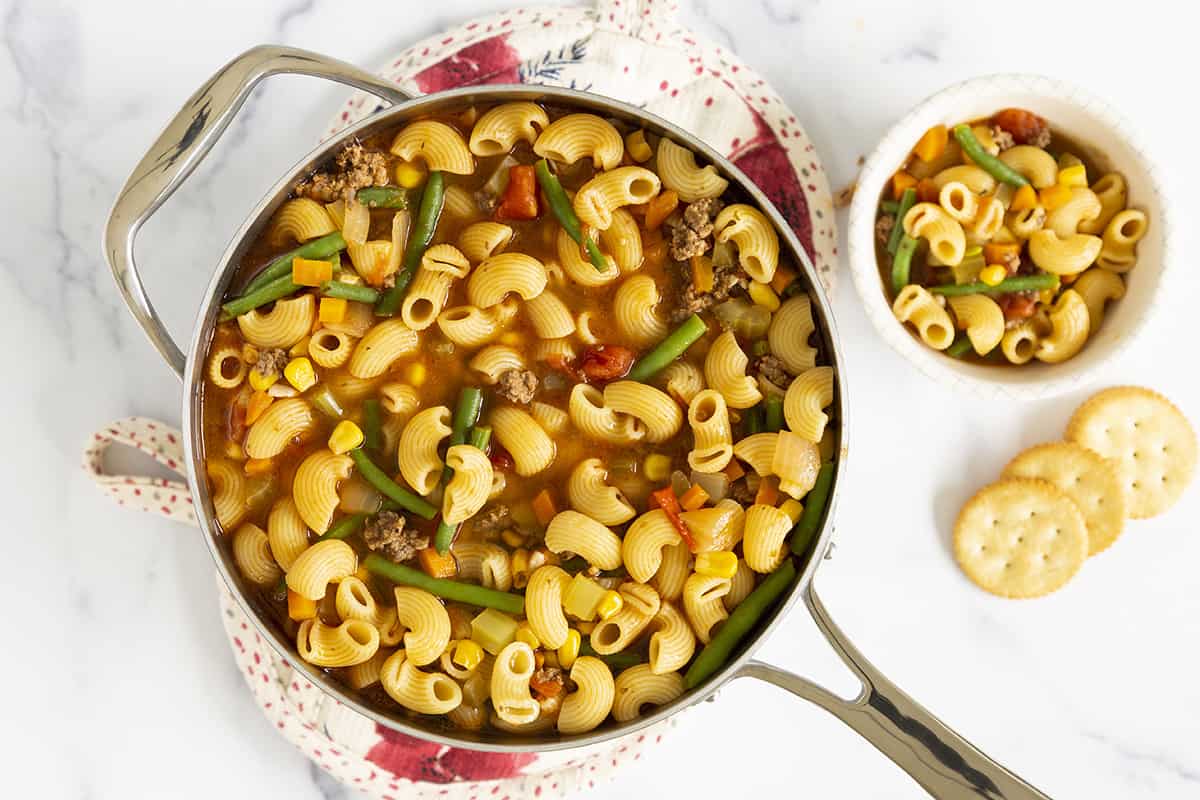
1020	538
1088	479
1149	439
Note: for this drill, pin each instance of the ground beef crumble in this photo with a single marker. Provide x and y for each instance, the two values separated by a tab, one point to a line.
1041	139
727	279
771	369
354	168
517	386
493	520
385	533
740	491
271	362
883	228
1002	138
691	232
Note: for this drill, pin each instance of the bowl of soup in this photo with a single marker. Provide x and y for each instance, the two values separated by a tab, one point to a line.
1009	234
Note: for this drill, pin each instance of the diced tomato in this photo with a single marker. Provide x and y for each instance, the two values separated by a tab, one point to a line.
560	363
520	199
546	683
500	458
606	362
665	499
1025	126
1017	306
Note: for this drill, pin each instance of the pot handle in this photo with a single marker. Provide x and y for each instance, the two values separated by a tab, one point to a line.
944	763
183	145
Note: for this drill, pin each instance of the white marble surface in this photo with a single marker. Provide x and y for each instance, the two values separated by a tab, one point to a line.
119	678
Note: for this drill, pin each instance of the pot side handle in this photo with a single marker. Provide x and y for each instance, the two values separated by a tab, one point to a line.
944	763
185	142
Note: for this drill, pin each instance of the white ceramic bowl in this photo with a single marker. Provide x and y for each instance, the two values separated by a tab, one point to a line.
1107	140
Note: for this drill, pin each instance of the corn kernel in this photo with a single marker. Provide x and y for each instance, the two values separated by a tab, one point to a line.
719	564
525	634
520	568
1046	297
793	508
1073	176
301	347
249	353
570	649
332	310
417	373
611	603
409	175
638	149
763	295
657	467
300	374
992	275
346	436
260	382
467	654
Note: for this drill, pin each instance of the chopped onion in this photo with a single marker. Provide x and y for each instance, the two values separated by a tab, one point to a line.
679	482
723	254
358	496
499	179
625	462
260	490
746	319
715	484
281	389
401	222
442	347
358	223
555	381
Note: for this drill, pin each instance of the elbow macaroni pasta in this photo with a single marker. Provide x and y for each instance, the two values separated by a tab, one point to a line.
252	555
321	564
284	325
352	642
283	421
570	138
755	237
635	310
531	448
679	172
725	371
708	417
591	495
589	705
916	305
469	486
791	327
501	127
484	239
702	603
440	146
658	413
982	319
315	487
500	274
645	543
597	199
805	400
418	451
639	686
584	536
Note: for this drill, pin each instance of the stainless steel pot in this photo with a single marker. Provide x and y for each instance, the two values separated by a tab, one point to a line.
944	763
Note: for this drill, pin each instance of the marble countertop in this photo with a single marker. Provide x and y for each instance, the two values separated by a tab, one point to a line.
121	682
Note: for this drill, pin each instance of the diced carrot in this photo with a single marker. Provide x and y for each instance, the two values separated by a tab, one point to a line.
311	272
932	143
332	310
437	565
637	209
660	207
1023	199
927	191
702	274
1000	253
734	470
259	402
901	181
258	466
783	278
1054	196
655	255
300	607
520	199
546	687
768	494
543	507
650	237
693	498
665	499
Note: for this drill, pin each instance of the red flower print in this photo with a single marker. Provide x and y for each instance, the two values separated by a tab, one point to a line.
765	161
489	61
420	760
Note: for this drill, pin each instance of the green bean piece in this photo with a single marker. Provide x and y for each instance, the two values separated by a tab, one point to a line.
754	420
350	291
669	349
760	348
985	160
814	507
889	206
467	593
480	438
321	397
617	661
960	347
560	204
1020	283
403	498
269	292
372	428
773	413
324	247
432	201
902	263
908	198
740	622
345	527
383	197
